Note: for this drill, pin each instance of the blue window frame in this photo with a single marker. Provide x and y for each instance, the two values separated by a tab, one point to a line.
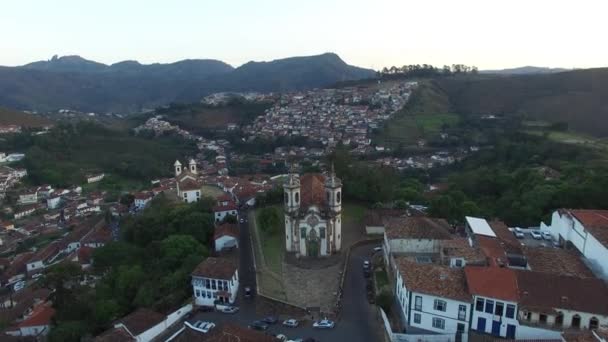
489	306
510	311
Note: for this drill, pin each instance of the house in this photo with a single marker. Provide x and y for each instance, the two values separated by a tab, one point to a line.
494	291
414	235
94	177
38	323
223	332
215	279
44	257
53	202
7	225
23	211
28	197
587	230
142	199
18	268
226	236
143	324
221	211
432	297
98	237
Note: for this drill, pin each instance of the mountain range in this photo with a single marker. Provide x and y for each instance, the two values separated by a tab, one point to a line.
80	84
525	70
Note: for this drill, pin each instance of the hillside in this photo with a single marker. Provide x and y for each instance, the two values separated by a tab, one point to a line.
577	98
76	83
524	70
12	117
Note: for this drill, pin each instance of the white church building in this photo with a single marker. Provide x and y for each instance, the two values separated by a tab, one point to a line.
313	214
187	183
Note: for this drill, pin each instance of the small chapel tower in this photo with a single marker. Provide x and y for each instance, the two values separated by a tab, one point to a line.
192	165
333	192
178	168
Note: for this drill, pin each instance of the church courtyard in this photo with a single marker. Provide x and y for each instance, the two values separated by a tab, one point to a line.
311	282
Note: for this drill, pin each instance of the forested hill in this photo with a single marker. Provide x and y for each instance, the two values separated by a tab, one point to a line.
76	83
578	98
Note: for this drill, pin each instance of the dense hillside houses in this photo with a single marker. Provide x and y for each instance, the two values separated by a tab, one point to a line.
492	279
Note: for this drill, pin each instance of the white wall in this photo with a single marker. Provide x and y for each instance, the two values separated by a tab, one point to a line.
190	196
428	312
32	266
490	317
414	246
534	333
220	215
35	330
373	230
225	241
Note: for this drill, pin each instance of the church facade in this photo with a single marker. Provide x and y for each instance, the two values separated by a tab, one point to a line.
313	214
187	184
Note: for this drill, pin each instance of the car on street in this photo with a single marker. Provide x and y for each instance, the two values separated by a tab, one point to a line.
292	323
203	326
37	275
258	325
536	235
377	249
18	286
281	337
547	236
242	220
323	324
270	320
229	309
518	233
247	292
366	265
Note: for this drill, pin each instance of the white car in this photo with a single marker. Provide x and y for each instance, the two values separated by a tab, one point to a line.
18	286
547	236
366	265
291	323
323	324
377	249
518	233
229	309
536	235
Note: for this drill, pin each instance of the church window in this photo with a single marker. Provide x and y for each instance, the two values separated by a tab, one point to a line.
338	197
286	198
322	233
303	233
297	197
328	196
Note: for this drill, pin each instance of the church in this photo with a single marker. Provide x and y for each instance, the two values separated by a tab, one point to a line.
313	214
187	183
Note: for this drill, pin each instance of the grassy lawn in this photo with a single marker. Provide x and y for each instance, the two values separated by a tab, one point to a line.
272	244
212	191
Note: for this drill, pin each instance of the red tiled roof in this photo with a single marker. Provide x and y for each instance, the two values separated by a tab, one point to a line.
312	189
216	268
141	320
433	279
228	207
492	249
510	242
596	221
143	195
41	315
84	254
493	282
538	290
417	228
226	229
114	335
557	261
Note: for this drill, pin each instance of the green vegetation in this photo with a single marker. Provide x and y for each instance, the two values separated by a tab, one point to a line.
68	152
424	117
150	267
13	117
200	117
270	231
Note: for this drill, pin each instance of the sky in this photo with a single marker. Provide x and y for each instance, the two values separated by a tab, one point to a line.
489	34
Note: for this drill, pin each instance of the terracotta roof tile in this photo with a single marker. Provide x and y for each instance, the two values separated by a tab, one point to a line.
493	282
115	335
436	280
223	229
509	241
141	320
557	261
596	221
460	248
417	228
312	189
41	315
217	268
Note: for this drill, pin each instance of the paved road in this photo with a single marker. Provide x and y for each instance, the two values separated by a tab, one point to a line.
358	321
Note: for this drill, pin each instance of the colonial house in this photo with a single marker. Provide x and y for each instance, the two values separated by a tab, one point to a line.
215	279
23	211
53	202
187	184
44	257
221	211
432	297
95	177
587	230
37	324
494	291
142	199
28	197
407	235
313	214
226	236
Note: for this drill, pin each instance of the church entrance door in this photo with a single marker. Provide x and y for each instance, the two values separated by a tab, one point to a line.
312	244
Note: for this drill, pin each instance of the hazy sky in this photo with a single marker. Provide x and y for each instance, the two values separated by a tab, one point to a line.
371	33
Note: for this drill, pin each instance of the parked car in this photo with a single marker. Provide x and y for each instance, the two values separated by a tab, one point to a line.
377	249
518	233
547	236
37	275
258	325
206	326
292	323
242	220
366	265
18	286
323	324
281	337
270	320
247	292
229	309
536	235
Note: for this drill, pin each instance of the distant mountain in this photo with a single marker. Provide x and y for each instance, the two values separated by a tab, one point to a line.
524	70
76	83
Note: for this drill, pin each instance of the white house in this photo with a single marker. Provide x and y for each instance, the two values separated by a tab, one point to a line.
142	199
44	257
53	202
28	197
93	178
38	323
221	211
494	291
432	297
24	211
225	236
215	280
587	230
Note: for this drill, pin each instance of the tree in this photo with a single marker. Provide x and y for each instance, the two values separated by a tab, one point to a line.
269	220
177	247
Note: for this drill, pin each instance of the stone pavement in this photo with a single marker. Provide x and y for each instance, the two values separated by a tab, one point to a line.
312	287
